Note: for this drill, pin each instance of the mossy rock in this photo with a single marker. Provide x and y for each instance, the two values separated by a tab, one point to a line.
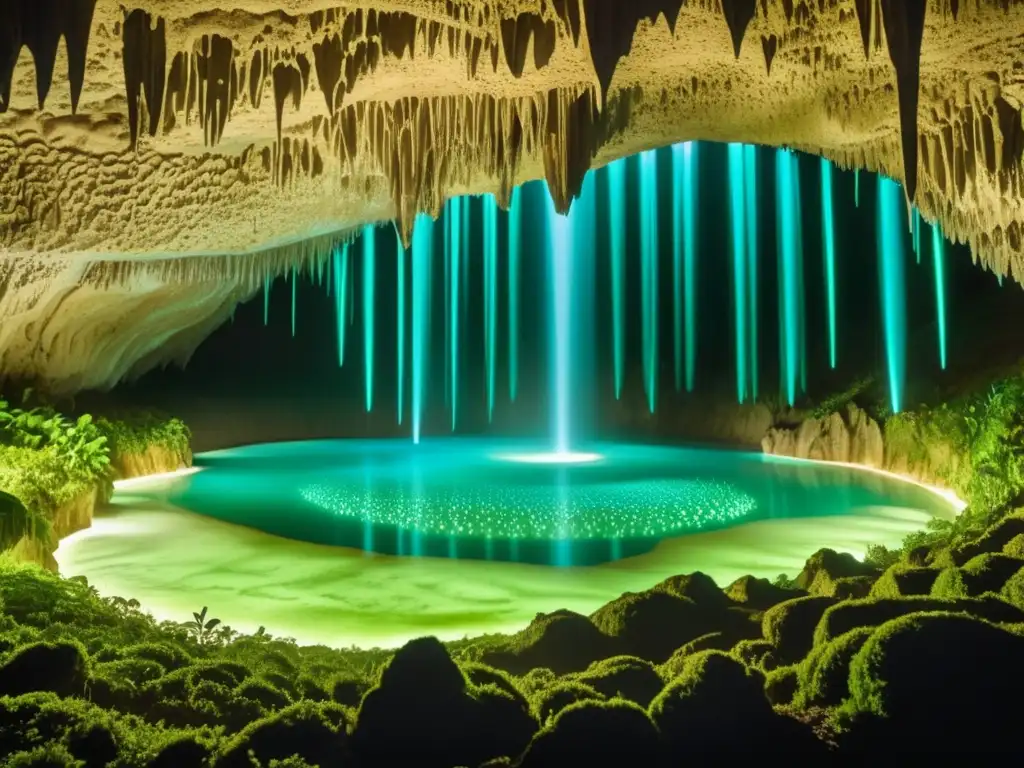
626	677
902	580
713	700
990	571
823	677
993	539
480	674
424	712
758	654
695	586
851	614
591	733
982	574
712	641
312	731
562	641
537	679
852	587
44	756
548	702
59	667
1015	547
789	626
181	751
939	679
653	624
825	566
1013	590
759	594
780	685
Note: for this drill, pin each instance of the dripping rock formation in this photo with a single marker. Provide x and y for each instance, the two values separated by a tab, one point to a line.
160	158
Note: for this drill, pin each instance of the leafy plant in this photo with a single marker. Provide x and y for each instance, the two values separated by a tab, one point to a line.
77	445
200	628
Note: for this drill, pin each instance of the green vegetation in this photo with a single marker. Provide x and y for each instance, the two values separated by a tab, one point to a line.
910	648
91	679
48	460
976	445
132	432
840	400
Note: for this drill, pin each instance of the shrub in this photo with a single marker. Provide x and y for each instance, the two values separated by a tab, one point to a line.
263	693
823	676
851	587
137	672
562	641
58	667
994	539
712	641
894	681
982	574
789	626
825	566
1013	590
904	580
627	677
592	733
1015	547
349	692
308	730
851	614
536	680
714	700
780	685
760	594
758	654
422	710
481	674
695	586
47	756
168	656
651	624
505	717
548	702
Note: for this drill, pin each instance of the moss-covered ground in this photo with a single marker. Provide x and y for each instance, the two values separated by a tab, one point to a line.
914	651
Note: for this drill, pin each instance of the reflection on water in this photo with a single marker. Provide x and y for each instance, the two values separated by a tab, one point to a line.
458	498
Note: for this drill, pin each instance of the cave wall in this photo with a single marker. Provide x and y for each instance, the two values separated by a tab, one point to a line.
226	136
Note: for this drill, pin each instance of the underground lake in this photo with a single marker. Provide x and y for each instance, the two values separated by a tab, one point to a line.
378	541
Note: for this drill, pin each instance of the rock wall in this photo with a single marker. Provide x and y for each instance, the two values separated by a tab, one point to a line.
156	459
77	514
74	516
850	435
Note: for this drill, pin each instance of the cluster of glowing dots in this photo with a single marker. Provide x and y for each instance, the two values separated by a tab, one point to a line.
630	510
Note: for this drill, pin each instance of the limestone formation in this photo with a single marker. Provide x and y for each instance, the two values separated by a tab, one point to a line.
159	157
847	436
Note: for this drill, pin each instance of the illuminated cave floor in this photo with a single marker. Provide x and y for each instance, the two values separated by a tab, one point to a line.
175	561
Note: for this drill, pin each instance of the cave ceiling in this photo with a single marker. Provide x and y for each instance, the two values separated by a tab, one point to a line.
159	157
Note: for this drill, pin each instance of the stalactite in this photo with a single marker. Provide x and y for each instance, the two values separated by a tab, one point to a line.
145	63
738	14
904	27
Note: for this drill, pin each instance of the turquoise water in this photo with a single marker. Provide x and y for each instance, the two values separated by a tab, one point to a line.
484	499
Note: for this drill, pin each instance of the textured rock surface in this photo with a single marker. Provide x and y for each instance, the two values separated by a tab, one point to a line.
853	436
77	514
848	436
154	461
161	132
74	516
